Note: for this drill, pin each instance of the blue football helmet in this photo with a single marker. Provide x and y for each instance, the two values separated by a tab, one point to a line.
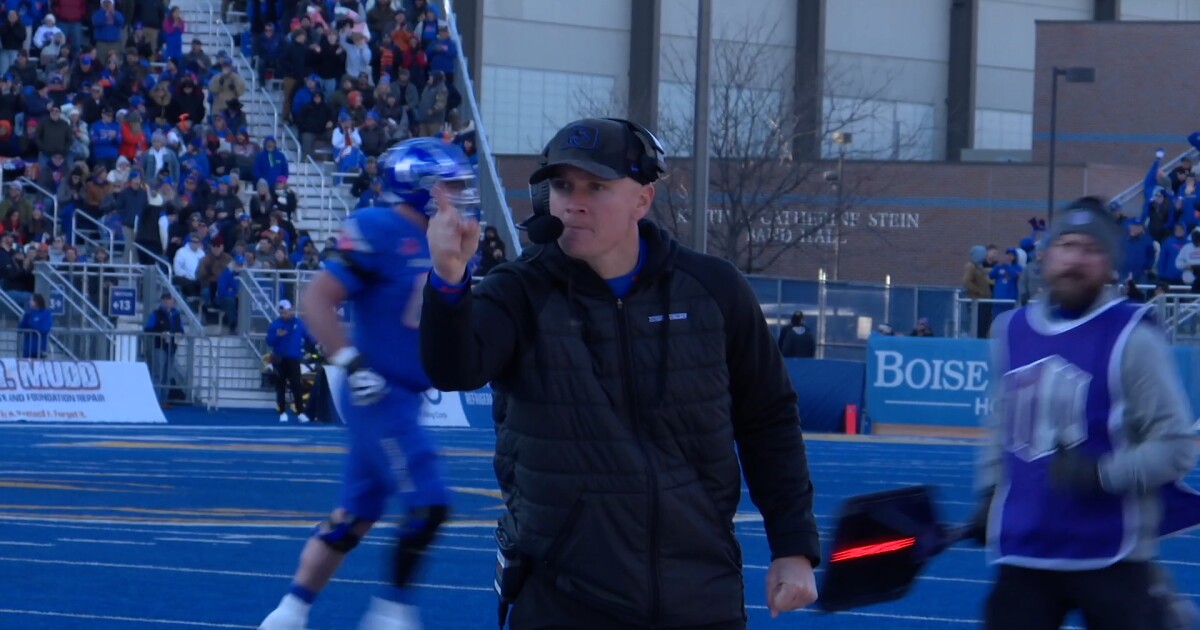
410	170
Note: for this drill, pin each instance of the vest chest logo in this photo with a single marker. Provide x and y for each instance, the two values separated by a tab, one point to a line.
1045	407
654	319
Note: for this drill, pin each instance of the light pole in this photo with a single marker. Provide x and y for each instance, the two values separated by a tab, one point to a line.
700	139
1076	74
842	139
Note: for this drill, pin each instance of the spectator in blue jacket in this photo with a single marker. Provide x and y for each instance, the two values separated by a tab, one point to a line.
1168	251
271	163
35	328
304	94
1005	276
286	336
166	323
228	286
108	29
106	139
1139	253
442	53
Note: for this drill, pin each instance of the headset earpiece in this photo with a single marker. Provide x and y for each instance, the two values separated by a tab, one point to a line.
651	160
539	196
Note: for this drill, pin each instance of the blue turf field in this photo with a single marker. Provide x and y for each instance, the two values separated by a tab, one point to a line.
200	526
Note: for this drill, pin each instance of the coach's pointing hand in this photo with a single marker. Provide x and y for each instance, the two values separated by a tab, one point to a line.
790	585
453	238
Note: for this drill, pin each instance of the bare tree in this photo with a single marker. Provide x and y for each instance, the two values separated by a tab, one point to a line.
767	201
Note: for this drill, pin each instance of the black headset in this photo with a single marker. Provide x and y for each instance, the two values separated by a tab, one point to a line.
646	167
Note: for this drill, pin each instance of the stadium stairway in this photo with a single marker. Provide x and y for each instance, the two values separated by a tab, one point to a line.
320	204
233	372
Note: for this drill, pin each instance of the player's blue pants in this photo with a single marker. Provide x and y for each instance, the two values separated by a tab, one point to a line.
390	454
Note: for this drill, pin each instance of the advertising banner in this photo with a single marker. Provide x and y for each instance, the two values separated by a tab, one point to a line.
924	380
77	391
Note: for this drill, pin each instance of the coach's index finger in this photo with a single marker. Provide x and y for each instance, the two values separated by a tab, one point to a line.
442	199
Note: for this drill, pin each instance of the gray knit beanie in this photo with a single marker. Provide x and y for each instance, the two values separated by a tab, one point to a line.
1089	216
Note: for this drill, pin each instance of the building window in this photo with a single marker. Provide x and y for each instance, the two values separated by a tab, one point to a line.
882	130
996	129
522	108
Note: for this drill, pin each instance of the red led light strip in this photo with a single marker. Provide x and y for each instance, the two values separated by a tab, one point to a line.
873	550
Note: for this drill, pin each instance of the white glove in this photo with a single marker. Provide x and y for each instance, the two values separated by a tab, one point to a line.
366	385
1159	154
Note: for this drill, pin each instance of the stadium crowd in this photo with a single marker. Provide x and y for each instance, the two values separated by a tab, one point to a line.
110	131
1162	246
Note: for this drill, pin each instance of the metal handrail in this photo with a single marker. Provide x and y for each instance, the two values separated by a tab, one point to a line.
194	328
262	90
25	181
84	306
1186	308
104	230
329	196
287	132
258	297
483	147
6	300
1129	194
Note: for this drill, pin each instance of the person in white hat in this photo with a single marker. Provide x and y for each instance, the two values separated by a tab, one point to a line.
286	336
45	33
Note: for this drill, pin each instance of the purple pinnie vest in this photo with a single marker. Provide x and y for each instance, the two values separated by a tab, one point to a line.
1062	389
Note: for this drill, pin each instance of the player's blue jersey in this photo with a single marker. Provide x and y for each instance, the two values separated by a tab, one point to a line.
383	262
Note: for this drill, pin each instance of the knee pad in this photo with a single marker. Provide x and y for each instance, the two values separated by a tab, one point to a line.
416	534
338	535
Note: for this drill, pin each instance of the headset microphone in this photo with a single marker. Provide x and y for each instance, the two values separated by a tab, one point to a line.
543	228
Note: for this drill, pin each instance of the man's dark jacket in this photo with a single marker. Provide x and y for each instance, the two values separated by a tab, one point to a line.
616	455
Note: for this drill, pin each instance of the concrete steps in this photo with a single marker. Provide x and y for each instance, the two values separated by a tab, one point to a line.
237	372
318	208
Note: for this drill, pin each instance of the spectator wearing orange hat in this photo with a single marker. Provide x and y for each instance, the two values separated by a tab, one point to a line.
189	99
354	109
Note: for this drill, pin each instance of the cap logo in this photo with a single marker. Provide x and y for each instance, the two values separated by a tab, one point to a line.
582	137
1079	218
